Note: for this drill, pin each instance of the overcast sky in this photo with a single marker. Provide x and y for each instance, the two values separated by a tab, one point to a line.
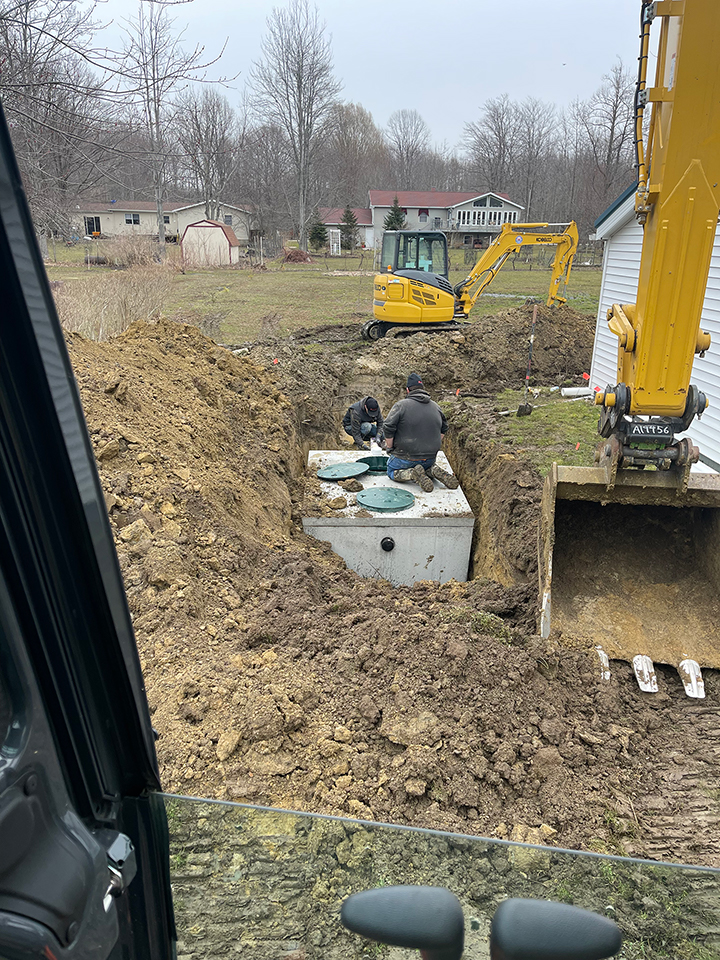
441	58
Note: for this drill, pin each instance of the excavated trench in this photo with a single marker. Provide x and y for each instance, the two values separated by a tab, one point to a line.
675	814
276	676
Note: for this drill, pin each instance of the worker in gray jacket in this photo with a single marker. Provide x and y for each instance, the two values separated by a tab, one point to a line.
414	431
364	420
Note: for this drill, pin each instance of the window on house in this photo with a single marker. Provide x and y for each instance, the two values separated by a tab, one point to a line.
228	219
423	215
494	202
92	225
132	218
480	203
166	218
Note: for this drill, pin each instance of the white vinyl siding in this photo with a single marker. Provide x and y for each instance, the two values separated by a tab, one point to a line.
621	267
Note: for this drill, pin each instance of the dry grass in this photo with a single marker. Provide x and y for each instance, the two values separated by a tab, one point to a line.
132	252
103	310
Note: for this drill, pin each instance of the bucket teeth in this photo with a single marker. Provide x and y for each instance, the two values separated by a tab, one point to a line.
604	663
691	677
645	673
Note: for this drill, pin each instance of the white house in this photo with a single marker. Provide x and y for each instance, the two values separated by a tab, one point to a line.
469	218
208	243
623	235
332	218
127	218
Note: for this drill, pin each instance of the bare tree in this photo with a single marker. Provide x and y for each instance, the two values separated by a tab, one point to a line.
211	139
57	107
491	143
355	155
408	137
295	89
608	121
154	64
534	142
266	178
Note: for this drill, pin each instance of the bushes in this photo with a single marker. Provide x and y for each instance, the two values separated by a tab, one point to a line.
102	308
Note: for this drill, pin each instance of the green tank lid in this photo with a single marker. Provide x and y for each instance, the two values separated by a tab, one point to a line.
343	471
376	464
385	499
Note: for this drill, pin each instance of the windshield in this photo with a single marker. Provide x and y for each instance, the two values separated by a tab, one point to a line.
271	882
422	252
388	252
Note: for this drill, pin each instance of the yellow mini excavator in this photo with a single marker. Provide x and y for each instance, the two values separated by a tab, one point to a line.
629	549
413	291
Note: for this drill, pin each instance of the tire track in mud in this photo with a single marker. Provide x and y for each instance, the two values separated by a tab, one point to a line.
679	815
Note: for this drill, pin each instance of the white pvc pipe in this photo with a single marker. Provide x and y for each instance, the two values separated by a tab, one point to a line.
576	392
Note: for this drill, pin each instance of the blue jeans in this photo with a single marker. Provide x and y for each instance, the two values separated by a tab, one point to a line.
367	429
395	463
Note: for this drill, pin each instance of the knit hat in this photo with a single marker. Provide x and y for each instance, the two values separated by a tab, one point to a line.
414	381
371	404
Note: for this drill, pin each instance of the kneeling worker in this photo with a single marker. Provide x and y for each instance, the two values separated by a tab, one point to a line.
363	420
414	431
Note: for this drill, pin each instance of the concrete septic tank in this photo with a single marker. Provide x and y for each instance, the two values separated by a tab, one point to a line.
428	541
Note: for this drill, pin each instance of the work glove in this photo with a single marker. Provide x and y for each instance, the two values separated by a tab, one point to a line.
363	446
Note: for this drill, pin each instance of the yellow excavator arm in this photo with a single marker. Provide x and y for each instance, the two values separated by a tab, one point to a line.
629	548
677	202
511	239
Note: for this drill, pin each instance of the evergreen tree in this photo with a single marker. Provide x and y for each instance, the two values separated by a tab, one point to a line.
348	230
318	235
395	220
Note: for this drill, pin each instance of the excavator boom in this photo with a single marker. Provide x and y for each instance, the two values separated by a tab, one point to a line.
628	548
511	239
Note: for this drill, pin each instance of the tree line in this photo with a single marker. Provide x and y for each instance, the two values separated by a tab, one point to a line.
155	119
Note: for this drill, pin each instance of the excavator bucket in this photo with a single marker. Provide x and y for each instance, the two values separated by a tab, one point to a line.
632	568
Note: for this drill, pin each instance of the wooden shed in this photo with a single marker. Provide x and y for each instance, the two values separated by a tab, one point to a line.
208	243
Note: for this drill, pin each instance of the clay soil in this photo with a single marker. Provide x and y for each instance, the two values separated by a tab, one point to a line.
277	676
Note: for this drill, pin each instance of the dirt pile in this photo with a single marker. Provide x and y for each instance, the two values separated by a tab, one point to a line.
275	675
325	369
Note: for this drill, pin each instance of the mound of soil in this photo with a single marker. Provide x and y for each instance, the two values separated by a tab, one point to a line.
275	675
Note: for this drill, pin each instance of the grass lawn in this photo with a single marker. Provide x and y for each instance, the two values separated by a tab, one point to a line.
283	298
557	429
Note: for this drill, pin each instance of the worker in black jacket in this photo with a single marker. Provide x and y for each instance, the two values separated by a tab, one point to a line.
363	420
414	431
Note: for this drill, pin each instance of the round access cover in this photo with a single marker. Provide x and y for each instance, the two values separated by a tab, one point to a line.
342	471
385	499
376	464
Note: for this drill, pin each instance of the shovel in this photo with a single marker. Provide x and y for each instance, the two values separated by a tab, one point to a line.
525	408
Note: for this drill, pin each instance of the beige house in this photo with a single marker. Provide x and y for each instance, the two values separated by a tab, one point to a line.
208	243
128	218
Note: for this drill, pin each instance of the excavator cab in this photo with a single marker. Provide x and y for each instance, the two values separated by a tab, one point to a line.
414	250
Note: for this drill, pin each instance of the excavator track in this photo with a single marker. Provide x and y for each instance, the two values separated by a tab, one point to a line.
377	329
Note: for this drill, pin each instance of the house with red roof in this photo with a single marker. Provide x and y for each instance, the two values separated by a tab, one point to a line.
468	218
332	218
